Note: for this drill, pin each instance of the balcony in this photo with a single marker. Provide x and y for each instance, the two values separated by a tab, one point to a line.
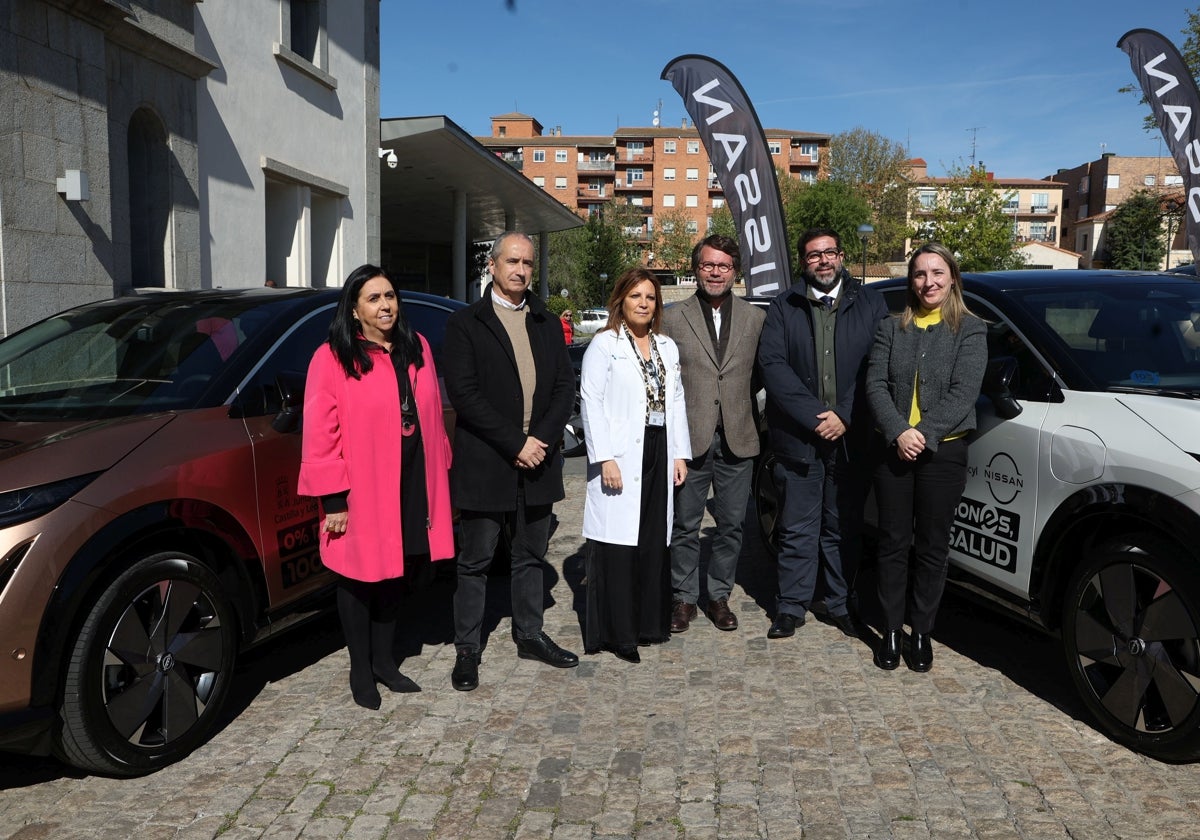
626	184
513	159
715	185
595	166
587	194
625	156
1033	210
796	157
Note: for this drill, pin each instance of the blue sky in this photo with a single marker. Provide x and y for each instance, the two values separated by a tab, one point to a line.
1036	81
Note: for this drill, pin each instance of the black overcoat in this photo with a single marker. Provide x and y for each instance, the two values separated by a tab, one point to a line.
484	387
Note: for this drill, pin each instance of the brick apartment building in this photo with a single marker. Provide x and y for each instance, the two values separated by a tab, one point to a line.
1093	190
1035	205
656	169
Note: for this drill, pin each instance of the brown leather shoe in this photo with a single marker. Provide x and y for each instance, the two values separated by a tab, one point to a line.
681	616
720	615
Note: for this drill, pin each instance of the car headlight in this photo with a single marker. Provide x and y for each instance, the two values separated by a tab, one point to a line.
18	506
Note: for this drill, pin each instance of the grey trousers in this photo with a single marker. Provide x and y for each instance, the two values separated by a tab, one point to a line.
729	477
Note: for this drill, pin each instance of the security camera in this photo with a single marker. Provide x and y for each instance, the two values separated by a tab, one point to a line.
390	154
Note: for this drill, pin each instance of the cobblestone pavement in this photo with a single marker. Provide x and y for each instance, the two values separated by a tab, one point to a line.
714	735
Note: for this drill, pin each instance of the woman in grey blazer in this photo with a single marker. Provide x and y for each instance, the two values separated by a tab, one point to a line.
923	377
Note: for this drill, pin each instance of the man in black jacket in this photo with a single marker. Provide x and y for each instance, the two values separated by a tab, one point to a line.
510	381
813	357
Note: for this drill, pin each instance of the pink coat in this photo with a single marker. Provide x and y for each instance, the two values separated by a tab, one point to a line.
352	442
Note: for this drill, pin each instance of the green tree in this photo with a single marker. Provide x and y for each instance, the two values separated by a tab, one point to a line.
586	260
828	204
1133	237
969	219
876	168
722	223
1191	56
672	242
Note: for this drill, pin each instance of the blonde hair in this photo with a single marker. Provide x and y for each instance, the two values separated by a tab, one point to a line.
953	308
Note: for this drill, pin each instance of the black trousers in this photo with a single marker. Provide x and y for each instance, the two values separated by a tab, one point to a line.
916	501
480	534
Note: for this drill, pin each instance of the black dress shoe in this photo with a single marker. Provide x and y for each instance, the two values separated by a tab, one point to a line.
920	658
541	648
845	622
465	676
627	652
887	655
784	625
363	690
394	680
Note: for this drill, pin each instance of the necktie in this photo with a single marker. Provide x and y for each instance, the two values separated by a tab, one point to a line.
827	301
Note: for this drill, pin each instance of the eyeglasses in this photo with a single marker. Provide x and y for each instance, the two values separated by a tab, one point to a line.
815	256
719	268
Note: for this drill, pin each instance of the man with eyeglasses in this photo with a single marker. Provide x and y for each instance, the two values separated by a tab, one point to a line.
812	357
717	334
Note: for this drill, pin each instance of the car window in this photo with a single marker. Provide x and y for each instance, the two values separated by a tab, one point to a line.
259	394
129	356
1139	335
1034	381
429	320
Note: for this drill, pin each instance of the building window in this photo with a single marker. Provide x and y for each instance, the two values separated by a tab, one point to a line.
305	30
668	201
1082	212
776	146
1173	180
301	251
1012	202
595	185
560	155
1150	181
1037	230
502	131
637	201
718	203
693	226
668	227
635	174
1112	182
1083	185
539	155
634	149
669	174
539	181
560	183
691	201
810	149
809	177
149	201
693	147
927	199
668	147
1083	243
1040	202
693	174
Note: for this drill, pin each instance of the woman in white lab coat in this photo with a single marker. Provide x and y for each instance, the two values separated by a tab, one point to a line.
635	425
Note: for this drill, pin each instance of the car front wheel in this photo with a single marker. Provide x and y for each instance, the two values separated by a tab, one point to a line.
1131	632
766	500
149	668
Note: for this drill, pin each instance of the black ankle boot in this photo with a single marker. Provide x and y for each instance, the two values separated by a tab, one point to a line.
887	654
921	657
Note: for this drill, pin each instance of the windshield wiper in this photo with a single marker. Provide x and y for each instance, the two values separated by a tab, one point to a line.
1154	391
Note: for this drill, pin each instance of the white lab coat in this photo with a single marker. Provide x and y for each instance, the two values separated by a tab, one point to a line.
613	401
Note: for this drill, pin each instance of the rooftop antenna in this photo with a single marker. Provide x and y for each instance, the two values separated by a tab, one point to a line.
974	137
657	112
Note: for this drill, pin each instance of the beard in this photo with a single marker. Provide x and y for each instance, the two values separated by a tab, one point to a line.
705	295
810	277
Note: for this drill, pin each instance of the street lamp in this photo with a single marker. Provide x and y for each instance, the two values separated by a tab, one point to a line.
865	232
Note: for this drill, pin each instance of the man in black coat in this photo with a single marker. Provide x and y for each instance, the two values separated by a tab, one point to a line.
510	381
813	357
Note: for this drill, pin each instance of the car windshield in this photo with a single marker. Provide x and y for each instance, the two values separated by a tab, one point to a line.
132	355
1139	336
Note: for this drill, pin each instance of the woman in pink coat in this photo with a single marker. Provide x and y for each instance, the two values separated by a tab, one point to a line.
375	452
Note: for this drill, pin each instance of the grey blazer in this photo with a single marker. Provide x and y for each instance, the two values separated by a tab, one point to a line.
951	366
712	390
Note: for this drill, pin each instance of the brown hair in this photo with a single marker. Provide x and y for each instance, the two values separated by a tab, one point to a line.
954	308
621	290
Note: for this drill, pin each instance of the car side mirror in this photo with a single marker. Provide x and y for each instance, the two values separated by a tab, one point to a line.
291	396
997	384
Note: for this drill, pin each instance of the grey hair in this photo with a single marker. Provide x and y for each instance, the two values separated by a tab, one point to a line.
498	245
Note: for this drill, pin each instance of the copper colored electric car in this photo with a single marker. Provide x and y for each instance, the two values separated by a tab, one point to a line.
150	527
